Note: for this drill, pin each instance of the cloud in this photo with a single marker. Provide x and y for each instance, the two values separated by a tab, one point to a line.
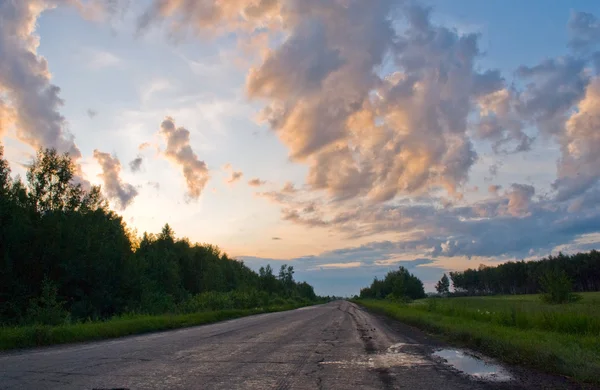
97	59
519	199
385	109
25	79
154	184
136	164
288	188
155	86
513	223
115	189
584	29
326	90
501	122
184	16
354	264
578	169
553	87
180	152
234	176
324	93
144	145
276	238
494	188
7	117
256	182
33	102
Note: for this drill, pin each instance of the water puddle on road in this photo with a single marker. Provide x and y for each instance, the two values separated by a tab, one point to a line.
473	365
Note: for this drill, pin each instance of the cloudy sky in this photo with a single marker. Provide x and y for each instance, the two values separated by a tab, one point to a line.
343	137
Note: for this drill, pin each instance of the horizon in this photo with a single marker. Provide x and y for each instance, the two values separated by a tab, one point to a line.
343	138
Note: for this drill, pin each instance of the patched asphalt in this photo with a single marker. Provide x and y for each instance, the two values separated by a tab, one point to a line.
333	346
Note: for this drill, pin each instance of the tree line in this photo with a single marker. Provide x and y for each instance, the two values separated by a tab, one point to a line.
67	257
396	285
582	270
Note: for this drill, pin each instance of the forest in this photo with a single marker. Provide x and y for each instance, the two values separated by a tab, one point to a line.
67	257
397	285
526	277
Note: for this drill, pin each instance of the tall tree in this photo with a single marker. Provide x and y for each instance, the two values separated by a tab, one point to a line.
443	285
399	284
63	250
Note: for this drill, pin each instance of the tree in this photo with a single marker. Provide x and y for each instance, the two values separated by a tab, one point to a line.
65	255
557	287
529	277
400	285
443	285
4	174
286	277
47	309
268	281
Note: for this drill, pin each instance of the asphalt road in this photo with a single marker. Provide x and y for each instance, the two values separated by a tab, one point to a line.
332	346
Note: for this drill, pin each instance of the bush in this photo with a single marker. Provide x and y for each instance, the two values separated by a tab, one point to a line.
398	299
557	287
157	302
47	309
278	301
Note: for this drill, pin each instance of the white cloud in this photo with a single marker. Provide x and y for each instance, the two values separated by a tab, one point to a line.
97	59
149	90
121	193
354	264
180	152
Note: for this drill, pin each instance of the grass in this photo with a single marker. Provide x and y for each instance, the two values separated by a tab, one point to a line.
560	339
43	335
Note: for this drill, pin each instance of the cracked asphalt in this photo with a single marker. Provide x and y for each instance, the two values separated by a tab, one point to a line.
333	346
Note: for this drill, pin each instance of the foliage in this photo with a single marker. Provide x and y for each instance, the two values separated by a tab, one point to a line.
46	309
527	277
528	312
517	329
397	285
443	285
38	335
557	287
64	253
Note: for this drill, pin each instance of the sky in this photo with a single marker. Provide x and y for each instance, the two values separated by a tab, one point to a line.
343	137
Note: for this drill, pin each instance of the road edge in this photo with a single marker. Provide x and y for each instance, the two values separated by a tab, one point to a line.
35	336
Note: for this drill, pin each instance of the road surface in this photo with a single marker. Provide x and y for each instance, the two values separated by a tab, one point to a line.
333	346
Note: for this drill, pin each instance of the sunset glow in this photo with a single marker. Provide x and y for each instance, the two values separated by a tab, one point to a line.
343	137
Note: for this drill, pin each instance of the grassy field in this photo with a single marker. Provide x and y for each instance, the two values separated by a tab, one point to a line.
40	335
562	339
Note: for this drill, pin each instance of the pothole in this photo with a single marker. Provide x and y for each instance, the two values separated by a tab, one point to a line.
473	365
394	356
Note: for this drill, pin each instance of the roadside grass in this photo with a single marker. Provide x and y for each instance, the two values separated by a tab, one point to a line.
523	312
43	335
559	339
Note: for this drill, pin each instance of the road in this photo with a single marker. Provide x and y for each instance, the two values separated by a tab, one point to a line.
333	346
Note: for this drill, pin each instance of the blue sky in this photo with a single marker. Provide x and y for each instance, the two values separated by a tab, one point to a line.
389	135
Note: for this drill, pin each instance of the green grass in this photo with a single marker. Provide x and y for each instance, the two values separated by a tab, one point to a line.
562	339
42	335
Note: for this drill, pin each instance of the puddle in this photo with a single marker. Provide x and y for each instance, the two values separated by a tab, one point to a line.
473	365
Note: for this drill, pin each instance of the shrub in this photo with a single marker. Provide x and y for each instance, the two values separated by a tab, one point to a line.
557	287
398	298
47	309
